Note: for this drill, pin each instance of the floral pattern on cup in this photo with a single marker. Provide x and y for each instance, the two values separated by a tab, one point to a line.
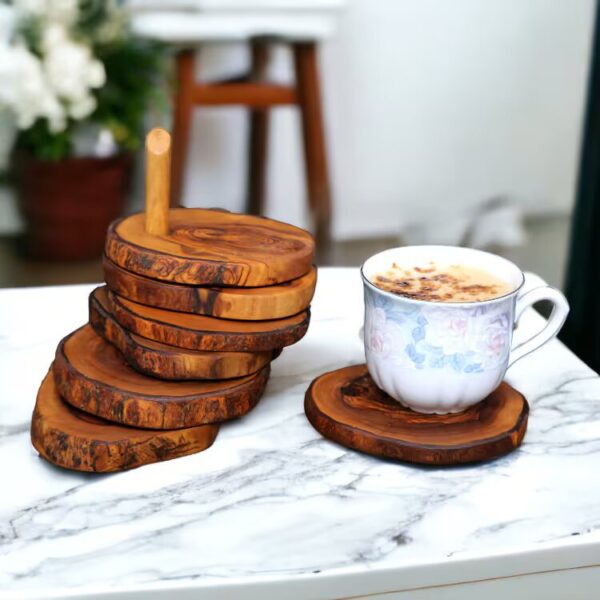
471	340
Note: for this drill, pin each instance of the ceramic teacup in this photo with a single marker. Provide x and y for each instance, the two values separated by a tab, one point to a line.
442	357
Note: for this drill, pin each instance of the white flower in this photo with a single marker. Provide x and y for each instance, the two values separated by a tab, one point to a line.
83	107
53	35
54	111
35	8
65	11
7	23
25	90
60	84
62	11
96	75
91	139
71	71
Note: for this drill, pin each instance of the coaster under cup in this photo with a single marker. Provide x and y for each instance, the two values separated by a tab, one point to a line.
347	407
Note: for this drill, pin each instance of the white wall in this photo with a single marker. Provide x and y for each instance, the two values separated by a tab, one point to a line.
431	105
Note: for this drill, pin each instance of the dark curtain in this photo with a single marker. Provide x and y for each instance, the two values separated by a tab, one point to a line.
582	329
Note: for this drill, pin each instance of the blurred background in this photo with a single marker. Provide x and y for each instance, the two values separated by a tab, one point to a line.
373	123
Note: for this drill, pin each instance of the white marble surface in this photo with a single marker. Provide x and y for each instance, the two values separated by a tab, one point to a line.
272	506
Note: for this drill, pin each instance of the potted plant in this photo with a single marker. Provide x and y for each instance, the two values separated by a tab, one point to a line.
78	85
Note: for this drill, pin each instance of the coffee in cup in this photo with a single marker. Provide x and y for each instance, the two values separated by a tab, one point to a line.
436	282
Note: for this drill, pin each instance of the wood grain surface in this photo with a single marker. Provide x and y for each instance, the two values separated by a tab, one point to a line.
254	304
348	408
93	376
169	362
198	332
209	247
75	440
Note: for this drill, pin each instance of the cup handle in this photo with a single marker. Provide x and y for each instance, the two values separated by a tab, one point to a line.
560	310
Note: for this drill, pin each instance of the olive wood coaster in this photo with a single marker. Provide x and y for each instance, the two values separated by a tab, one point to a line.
347	407
198	332
254	304
208	247
92	375
199	246
75	440
169	362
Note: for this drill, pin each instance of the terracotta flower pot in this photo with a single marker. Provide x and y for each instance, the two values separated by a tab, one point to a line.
68	205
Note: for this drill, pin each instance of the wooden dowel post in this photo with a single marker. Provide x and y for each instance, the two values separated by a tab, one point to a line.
158	180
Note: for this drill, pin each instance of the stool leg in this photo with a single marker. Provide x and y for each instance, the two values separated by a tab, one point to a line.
182	122
317	177
259	134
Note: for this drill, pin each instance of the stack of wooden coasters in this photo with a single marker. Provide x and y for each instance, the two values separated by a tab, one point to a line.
197	304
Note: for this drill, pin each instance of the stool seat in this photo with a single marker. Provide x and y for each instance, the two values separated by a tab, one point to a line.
193	21
236	5
190	28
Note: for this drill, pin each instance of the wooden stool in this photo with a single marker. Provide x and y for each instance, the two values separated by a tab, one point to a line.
190	31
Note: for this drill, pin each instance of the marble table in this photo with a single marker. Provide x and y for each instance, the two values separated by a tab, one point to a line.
273	510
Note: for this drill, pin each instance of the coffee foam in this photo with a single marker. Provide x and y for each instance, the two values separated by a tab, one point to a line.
433	282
